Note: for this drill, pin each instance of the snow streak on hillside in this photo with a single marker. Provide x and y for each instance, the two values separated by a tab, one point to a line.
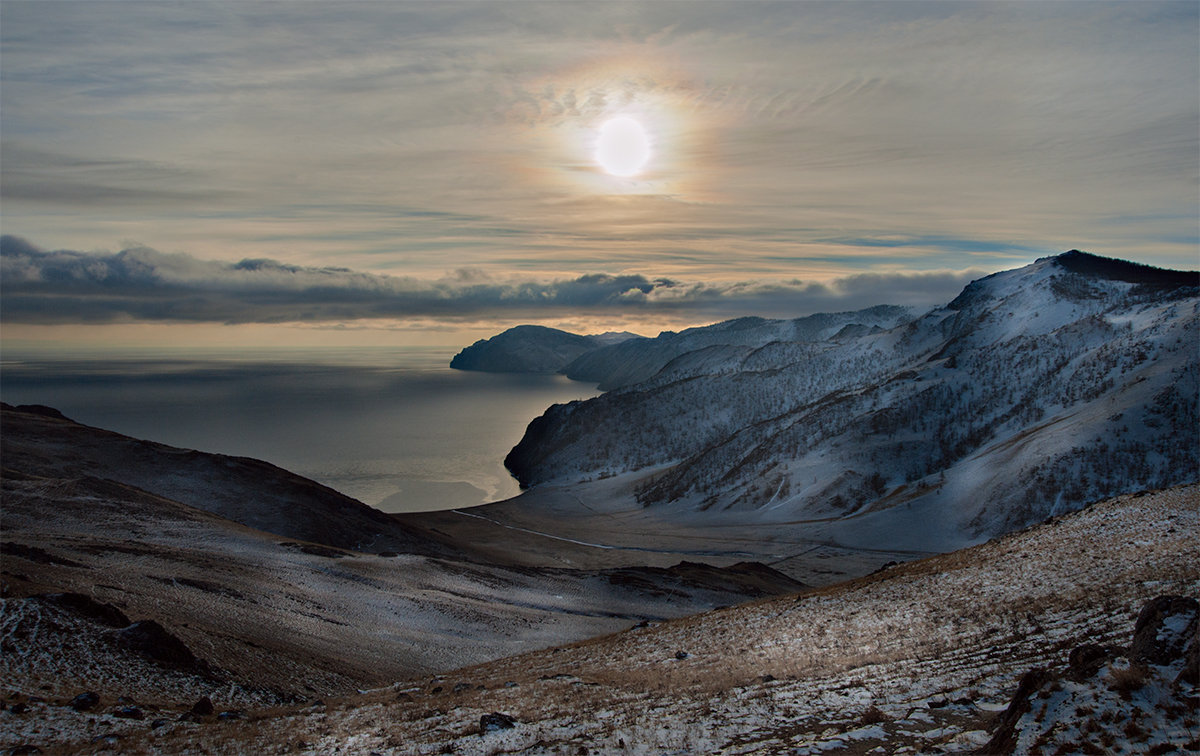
1034	391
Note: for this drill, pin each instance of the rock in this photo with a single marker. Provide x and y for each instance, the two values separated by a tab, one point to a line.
1004	739
230	715
86	606
159	723
35	554
1164	627
153	641
203	707
1086	660
19	708
85	701
23	749
128	712
681	654
1191	662
494	722
460	687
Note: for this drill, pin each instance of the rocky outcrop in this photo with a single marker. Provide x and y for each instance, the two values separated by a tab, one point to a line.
495	722
88	608
1163	630
1107	695
151	640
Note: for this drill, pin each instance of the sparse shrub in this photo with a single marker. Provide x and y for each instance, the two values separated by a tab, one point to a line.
873	716
1125	680
1134	731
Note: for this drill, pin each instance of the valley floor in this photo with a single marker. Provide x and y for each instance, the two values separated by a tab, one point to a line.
921	657
599	524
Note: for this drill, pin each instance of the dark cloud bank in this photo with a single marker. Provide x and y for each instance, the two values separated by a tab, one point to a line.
63	286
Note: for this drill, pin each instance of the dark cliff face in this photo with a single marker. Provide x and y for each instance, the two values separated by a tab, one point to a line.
524	349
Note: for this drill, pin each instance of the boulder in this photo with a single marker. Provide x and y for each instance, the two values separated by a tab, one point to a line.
1163	629
494	722
128	712
1086	660
151	640
85	701
1004	738
87	607
1191	662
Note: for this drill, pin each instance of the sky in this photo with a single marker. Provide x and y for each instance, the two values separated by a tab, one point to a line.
420	173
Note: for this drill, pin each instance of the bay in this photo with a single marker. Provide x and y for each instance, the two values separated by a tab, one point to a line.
395	428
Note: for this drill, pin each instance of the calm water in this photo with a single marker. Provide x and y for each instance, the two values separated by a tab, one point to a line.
394	428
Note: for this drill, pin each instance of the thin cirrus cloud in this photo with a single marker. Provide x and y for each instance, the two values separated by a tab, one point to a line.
1032	125
142	284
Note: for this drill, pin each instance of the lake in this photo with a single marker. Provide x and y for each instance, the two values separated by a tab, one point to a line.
395	428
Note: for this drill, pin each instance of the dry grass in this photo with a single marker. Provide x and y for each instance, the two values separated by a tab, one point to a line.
1127	680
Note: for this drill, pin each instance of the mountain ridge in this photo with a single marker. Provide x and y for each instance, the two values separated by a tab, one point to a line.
1067	385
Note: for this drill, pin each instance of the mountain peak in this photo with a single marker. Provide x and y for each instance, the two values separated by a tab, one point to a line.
1113	269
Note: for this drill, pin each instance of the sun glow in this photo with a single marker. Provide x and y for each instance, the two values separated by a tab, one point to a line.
622	147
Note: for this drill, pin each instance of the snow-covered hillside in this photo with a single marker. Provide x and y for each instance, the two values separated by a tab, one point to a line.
1034	391
636	360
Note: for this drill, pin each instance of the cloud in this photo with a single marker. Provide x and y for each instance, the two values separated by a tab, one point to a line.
35	175
795	122
143	284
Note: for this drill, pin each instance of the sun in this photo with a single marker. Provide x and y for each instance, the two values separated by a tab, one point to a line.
622	147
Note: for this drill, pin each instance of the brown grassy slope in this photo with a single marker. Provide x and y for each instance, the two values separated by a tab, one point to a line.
885	650
40	441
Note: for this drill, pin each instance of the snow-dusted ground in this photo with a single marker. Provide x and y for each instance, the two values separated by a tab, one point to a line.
917	658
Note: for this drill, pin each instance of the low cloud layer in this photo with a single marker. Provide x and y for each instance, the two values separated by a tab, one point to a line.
143	284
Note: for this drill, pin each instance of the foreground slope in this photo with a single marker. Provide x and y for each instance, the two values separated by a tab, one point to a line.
1034	391
917	658
111	588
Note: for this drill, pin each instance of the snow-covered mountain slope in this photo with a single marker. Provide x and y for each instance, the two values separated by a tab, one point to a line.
919	658
40	441
1034	391
636	360
530	349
